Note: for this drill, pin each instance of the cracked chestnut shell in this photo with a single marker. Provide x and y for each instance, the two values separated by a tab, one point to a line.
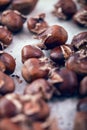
36	109
37	24
53	36
8	61
24	6
80	18
40	87
33	69
77	63
13	20
6	37
6	84
29	51
65	9
79	41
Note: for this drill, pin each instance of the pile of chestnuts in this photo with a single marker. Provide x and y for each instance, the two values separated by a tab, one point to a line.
61	74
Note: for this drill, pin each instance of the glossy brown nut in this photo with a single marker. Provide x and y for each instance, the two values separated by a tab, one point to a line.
33	69
8	61
83	87
13	20
29	51
2	66
82	105
77	63
37	24
24	6
6	124
80	121
69	85
65	9
59	54
79	41
6	84
4	4
40	87
36	109
5	37
80	18
54	36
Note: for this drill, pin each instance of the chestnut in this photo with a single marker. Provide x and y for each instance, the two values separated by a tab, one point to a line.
6	84
37	24
24	6
6	37
80	121
40	87
34	68
65	9
13	20
60	53
68	86
79	41
36	108
29	51
6	103
80	18
8	61
78	63
83	87
53	36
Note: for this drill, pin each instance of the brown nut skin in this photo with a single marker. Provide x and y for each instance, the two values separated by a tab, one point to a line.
79	41
13	20
82	105
53	36
41	87
80	121
59	54
4	4
6	84
36	109
83	87
29	51
6	37
70	83
65	9
6	124
2	66
37	24
9	108
8	61
77	63
33	69
24	6
80	18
